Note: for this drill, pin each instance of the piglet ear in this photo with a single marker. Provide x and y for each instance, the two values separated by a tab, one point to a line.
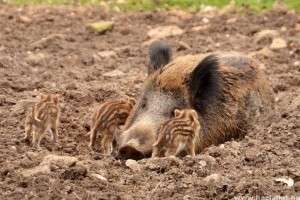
56	98
195	115
205	83
132	100
43	96
159	136
160	55
155	144
177	112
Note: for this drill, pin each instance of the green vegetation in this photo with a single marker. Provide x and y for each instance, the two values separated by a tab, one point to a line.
136	5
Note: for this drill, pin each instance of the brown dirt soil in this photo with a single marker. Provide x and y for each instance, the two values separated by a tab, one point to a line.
70	65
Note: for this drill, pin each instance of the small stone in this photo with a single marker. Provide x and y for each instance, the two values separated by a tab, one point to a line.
200	28
165	31
35	58
231	21
101	27
71	86
235	145
212	178
24	19
31	155
262	66
186	197
278	43
53	84
36	170
297	63
87	164
98	176
133	165
205	20
114	73
203	163
59	161
107	54
67	188
283	29
265	51
13	148
265	34
174	171
175	161
45	42
222	146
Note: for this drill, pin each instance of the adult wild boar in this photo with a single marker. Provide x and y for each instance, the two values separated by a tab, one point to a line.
227	90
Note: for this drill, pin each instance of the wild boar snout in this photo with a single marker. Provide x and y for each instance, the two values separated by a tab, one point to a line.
136	142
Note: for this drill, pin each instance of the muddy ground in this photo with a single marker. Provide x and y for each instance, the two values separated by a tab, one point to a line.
71	62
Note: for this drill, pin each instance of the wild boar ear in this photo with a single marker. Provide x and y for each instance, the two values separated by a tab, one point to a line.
177	112
205	83
160	55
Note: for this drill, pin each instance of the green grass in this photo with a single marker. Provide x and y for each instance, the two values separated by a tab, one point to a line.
136	5
256	5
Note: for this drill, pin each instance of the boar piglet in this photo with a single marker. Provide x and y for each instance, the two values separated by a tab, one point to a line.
227	90
178	134
43	116
107	119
